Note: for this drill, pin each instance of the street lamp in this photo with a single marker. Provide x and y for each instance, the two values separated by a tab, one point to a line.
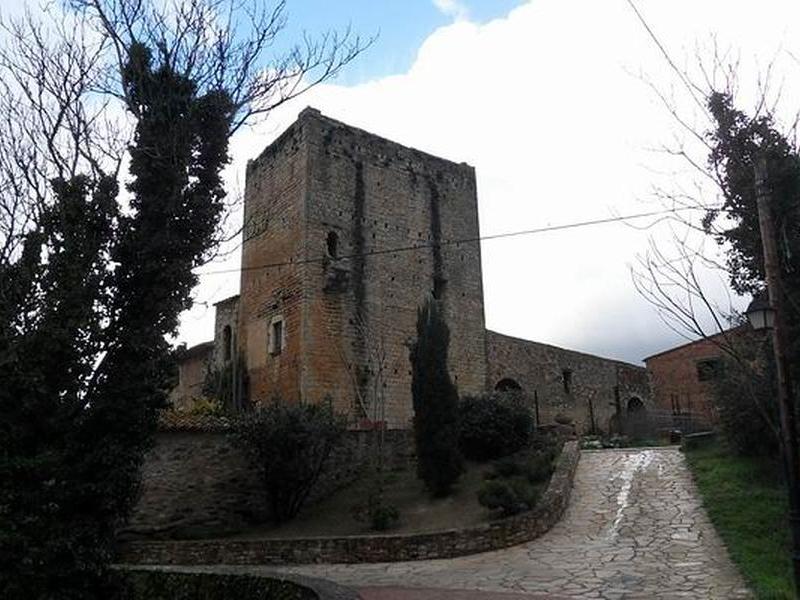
773	313
760	313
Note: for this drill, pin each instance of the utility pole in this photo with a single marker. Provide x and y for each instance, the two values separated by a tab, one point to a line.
772	272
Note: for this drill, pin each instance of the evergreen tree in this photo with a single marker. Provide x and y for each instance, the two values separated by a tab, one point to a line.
737	142
83	355
92	283
439	461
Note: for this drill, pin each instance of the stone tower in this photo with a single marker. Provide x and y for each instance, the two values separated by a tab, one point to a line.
346	234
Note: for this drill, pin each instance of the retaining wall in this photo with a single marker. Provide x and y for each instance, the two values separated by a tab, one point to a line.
195	483
496	534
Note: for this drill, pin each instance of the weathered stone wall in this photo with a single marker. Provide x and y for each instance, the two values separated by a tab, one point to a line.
275	190
493	535
334	199
589	392
195	483
226	317
192	369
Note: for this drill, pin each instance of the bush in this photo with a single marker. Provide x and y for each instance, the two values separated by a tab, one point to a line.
375	511
383	517
563	419
494	425
439	461
535	468
508	496
745	403
160	585
290	445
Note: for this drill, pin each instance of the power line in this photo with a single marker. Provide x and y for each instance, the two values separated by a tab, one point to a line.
667	57
468	240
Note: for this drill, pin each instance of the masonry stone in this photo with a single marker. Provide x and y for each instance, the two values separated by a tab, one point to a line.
346	234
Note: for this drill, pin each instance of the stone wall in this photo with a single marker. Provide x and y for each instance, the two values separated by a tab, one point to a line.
493	535
192	368
226	325
275	191
195	483
330	200
564	382
168	583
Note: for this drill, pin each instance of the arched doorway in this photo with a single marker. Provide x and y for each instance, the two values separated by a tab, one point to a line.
507	385
635	405
637	424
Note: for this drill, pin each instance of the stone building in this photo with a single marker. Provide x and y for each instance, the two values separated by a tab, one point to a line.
346	234
588	389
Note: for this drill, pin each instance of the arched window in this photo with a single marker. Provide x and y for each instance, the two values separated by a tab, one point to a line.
332	244
227	343
507	385
635	405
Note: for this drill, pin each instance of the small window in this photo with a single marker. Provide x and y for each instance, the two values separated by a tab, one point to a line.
438	287
332	244
227	343
707	370
507	385
566	378
277	336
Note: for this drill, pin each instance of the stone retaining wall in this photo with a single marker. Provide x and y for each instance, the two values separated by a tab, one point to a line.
378	548
195	483
170	582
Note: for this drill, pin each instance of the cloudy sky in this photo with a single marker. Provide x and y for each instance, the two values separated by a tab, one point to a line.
549	100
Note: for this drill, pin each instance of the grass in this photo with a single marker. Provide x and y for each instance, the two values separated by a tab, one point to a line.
747	503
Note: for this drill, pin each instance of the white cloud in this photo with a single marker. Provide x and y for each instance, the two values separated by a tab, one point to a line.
543	104
452	8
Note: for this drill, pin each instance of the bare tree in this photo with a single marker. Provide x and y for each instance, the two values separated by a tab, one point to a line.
92	280
53	124
710	212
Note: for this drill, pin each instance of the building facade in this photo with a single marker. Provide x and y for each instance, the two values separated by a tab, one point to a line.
346	235
683	377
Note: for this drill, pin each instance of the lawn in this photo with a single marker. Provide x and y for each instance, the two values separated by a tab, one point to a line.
747	503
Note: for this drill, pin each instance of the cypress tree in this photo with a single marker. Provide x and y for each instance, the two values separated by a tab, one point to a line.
439	461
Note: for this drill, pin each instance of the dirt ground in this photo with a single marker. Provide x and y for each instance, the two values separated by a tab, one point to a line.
418	511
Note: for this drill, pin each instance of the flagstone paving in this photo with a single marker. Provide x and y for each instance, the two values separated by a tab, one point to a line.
634	528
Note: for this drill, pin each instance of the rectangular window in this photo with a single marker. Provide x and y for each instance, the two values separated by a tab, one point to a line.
277	336
708	370
566	378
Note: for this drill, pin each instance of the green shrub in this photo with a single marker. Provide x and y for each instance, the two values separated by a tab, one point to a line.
494	425
534	467
439	460
508	466
290	445
159	585
383	517
745	403
563	419
508	496
539	467
375	511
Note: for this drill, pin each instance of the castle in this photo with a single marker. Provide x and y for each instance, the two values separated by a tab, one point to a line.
346	234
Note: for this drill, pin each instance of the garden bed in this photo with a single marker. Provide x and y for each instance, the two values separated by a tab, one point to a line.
465	539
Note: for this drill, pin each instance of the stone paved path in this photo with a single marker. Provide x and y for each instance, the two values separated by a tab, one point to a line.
634	529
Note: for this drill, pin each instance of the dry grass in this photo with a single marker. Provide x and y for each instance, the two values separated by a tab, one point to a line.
418	511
